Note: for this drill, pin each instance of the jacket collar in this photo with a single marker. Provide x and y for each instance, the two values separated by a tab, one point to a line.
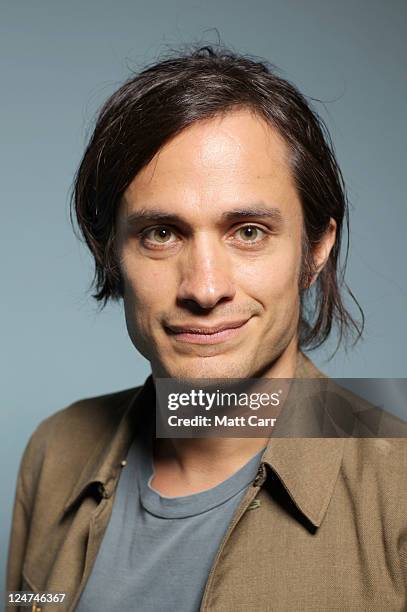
304	450
308	469
105	462
307	466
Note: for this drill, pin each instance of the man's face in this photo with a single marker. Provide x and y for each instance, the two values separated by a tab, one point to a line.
209	236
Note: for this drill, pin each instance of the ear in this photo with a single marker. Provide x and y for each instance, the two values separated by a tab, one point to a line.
322	249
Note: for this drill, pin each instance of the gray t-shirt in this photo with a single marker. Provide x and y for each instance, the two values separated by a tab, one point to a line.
157	551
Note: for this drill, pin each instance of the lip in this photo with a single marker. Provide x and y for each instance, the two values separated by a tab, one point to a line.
201	334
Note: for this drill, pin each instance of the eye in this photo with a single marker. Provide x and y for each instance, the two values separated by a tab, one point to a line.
250	233
159	235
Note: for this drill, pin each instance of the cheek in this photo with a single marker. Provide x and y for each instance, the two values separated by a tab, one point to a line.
273	280
147	285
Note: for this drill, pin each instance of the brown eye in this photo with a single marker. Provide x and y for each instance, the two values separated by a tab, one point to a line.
159	235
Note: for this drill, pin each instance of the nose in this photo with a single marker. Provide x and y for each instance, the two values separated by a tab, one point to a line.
206	274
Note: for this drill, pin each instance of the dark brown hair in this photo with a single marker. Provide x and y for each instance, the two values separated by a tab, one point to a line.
166	97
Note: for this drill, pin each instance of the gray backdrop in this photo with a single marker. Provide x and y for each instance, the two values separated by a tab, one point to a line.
59	61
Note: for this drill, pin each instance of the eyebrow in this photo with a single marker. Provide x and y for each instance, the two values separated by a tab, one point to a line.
158	216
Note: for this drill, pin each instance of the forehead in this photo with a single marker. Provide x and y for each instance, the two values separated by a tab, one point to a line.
215	164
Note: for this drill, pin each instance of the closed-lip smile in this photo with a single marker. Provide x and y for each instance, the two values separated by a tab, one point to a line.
203	334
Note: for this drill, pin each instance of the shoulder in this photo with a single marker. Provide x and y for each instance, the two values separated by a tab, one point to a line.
353	415
375	453
349	412
383	458
84	420
86	417
71	434
374	476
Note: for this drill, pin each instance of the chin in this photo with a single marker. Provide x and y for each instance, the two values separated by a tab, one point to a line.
210	367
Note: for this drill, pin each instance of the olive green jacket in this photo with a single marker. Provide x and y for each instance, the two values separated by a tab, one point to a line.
323	526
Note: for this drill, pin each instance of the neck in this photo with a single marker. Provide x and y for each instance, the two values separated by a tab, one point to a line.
188	465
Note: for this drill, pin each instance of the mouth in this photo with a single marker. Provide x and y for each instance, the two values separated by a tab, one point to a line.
197	334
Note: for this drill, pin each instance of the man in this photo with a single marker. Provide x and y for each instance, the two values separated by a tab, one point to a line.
213	205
